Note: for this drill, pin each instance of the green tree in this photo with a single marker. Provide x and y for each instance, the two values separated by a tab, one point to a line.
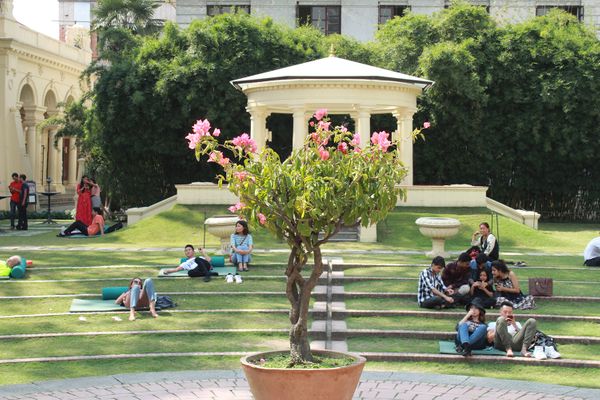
327	183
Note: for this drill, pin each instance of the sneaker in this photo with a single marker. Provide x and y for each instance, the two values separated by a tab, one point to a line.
238	278
229	278
538	353
551	352
207	277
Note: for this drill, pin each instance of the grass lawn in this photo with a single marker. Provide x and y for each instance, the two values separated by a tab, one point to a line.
72	267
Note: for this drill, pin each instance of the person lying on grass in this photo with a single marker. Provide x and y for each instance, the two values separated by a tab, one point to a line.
139	296
195	266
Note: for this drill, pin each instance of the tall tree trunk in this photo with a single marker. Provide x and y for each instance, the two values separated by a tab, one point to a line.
298	291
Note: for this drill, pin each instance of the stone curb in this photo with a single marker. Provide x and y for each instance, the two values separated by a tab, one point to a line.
405	295
417	357
367	376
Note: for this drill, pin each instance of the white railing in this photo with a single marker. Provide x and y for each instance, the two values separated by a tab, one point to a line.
137	214
529	218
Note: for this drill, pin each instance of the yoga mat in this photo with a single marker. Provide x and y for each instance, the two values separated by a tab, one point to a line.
18	271
447	347
217	261
111	293
89	305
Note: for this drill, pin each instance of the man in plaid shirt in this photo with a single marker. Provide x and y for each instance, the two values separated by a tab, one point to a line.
432	293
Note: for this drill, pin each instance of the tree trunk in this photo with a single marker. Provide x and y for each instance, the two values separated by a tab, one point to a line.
298	291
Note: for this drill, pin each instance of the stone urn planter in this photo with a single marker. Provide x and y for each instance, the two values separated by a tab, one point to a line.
301	384
222	226
438	229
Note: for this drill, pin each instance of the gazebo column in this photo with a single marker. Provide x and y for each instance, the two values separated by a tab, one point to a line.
404	134
52	157
33	116
58	167
258	126
300	130
362	120
72	176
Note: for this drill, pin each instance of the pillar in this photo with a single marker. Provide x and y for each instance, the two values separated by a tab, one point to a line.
52	158
258	126
363	126
72	178
404	135
300	130
33	116
57	177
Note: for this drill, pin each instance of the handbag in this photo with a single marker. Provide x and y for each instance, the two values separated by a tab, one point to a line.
540	287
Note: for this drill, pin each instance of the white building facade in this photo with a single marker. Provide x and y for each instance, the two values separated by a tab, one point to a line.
360	18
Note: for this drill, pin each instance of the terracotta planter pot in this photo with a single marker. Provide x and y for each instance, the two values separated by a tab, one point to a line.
301	384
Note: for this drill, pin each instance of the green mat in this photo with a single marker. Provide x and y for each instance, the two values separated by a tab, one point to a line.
221	271
89	305
447	347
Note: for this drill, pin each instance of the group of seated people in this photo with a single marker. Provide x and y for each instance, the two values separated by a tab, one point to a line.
506	334
476	274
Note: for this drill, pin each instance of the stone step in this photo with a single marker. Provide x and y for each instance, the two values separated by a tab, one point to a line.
457	315
318	330
336	345
440	335
346	234
404	295
320	293
444	358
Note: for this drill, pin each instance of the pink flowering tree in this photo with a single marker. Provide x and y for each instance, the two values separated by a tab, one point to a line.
332	181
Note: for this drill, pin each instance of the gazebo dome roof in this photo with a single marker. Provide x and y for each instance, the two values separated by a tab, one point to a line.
332	68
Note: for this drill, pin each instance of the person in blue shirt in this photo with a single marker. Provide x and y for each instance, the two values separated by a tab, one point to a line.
241	245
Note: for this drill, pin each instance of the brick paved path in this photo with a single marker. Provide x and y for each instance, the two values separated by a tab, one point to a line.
224	385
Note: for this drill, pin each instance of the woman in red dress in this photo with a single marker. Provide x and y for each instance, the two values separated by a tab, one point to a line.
84	202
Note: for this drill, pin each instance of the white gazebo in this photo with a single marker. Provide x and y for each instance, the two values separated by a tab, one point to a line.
342	87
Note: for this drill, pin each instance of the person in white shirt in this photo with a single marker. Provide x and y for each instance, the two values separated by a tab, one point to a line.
591	254
195	266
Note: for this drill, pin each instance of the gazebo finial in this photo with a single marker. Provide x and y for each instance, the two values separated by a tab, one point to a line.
331	50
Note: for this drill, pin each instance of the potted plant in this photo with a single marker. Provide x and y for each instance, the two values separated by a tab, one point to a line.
330	182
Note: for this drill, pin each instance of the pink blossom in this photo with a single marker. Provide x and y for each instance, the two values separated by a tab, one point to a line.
223	161
312	123
343	147
236	207
324	154
324	125
261	218
381	140
241	175
315	137
320	113
355	140
343	129
243	142
426	124
201	127
194	138
216	132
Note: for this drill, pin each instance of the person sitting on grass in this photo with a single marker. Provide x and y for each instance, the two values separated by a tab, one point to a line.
431	292
483	290
486	241
591	254
506	286
456	276
510	335
97	225
195	266
139	296
478	264
471	330
241	245
13	261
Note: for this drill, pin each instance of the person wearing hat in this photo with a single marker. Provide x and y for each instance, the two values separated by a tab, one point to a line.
471	330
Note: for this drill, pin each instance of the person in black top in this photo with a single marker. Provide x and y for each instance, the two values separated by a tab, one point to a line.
23	201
